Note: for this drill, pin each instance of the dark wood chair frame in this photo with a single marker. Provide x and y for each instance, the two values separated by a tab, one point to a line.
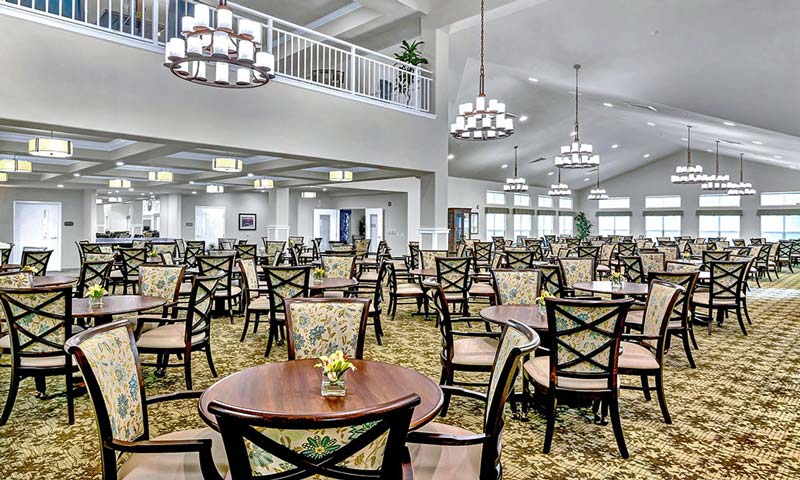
520	260
452	275
5	254
246	251
92	273
362	328
37	260
249	292
169	309
132	258
680	311
551	280
719	291
375	289
222	265
275	284
395	297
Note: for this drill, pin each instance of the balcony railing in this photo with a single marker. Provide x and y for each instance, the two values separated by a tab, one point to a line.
302	56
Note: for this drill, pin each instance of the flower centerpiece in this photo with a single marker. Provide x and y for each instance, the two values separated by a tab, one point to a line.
687	256
95	294
319	274
30	271
540	300
333	369
152	255
616	280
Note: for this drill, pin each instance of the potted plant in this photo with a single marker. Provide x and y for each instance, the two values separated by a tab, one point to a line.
95	294
541	300
410	53
616	280
333	369
318	274
583	226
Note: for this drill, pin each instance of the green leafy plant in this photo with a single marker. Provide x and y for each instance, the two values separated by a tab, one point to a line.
409	54
583	225
96	291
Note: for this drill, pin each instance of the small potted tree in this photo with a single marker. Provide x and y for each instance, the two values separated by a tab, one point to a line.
583	226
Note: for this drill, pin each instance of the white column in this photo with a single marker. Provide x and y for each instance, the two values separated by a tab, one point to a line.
279	214
136	217
433	231
89	215
170	208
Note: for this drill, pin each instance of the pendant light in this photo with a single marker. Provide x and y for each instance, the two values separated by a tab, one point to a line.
263	183
688	174
226	164
516	184
716	182
50	147
340	176
486	120
576	154
559	189
15	165
160	176
598	193
741	189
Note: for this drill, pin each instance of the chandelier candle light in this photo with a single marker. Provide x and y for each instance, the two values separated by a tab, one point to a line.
516	184
577	154
716	182
598	193
234	57
688	174
559	189
486	120
741	189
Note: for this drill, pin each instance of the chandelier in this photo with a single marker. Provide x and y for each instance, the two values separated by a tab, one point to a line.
484	120
598	193
225	164
50	147
263	183
160	176
516	184
15	165
717	181
340	176
119	183
559	189
233	56
742	188
577	154
688	174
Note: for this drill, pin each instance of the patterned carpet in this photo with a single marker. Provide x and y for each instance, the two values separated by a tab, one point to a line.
737	416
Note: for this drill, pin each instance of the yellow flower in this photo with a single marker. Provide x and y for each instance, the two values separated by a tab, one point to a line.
335	365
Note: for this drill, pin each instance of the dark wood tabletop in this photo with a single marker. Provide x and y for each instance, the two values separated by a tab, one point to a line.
527	314
115	305
51	280
627	288
331	283
293	388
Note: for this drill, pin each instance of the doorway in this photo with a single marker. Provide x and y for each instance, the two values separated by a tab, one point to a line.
209	224
459	223
326	226
374	227
38	224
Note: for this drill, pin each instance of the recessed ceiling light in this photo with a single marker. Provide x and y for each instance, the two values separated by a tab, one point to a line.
523	118
757	142
324	189
60	186
142	194
116	191
550	173
194	193
777	156
606	104
119	164
505	165
534	80
573	133
730	124
249	174
76	174
149	193
646	155
684	139
191	182
451	156
130	189
586	179
615	146
651	124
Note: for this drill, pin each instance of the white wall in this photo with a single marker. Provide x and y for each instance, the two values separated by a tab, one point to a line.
115	216
234	203
653	179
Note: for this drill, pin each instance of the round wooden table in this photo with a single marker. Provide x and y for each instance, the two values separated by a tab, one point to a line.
114	305
51	280
627	288
331	284
526	314
293	388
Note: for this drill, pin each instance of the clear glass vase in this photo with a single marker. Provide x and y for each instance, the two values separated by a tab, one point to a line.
333	388
616	284
318	279
95	301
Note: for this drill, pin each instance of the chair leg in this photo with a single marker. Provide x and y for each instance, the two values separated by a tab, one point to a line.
662	401
210	361
687	349
691	335
646	387
41	386
617	426
13	388
70	399
187	368
550	413
445	379
378	328
740	319
273	334
746	311
246	324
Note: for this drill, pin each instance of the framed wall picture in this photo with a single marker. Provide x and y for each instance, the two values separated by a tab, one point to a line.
247	221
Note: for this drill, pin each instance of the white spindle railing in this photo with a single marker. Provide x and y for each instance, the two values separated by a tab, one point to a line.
301	54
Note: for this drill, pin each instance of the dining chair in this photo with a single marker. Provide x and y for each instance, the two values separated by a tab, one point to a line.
516	287
362	247
318	327
440	451
271	247
162	248
295	240
182	336
162	281
709	256
254	296
482	254
246	251
576	270
652	262
462	350
5	254
681	266
632	268
373	291
642	354
403	290
39	322
551	280
190	257
369	444
221	266
109	363
180	247
167	258
670	252
283	283
139	243
92	273
784	255
452	275
724	294
226	243
604	258
37	260
132	259
338	266
626	249
582	362
199	244
14	279
519	260
427	258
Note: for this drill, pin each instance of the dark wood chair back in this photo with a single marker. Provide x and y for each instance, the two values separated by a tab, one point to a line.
519	260
286	282
37	260
93	273
132	258
632	268
551	280
245	251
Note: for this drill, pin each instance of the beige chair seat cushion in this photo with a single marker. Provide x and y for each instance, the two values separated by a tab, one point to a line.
437	462
186	288
116	275
259	304
409	290
150	466
168	336
333	294
223	293
603	268
702	299
636	357
474	351
368	277
538	369
481	290
43	362
454	297
146	326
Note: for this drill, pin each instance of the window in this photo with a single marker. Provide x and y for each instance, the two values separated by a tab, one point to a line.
495	225
780	227
616	225
545	224
615	203
662	201
495	198
565	223
719	201
662	226
545	202
522	225
522	200
719	225
780	199
565	203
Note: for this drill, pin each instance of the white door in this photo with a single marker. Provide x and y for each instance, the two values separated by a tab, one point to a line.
326	226
38	224
209	224
374	228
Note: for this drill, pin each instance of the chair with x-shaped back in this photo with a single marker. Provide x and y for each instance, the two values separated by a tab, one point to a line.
283	283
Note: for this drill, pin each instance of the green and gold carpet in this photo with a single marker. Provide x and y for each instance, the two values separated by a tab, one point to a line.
737	416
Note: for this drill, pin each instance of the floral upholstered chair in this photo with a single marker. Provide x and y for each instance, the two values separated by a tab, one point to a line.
256	302
132	259
10	280
336	266
427	258
163	281
37	260
576	270
283	283
109	362
369	445
653	262
321	326
161	248
221	265
516	287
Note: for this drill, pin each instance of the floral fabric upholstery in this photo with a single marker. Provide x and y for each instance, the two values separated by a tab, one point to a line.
652	262
427	258
36	259
697	250
582	339
139	244
322	328
670	252
272	248
13	280
283	284
338	267
517	287
99	257
577	270
168	258
555	249
656	310
682	267
512	338
606	250
295	241
107	249
549	279
50	323
248	267
163	248
159	282
362	247
110	357
453	274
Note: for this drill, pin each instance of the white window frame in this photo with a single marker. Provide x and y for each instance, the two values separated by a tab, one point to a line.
565	203
543	229
522	200
662	201
492	229
718	231
662	231
615	203
718	200
544	201
492	198
521	231
615	229
780	199
776	235
562	220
